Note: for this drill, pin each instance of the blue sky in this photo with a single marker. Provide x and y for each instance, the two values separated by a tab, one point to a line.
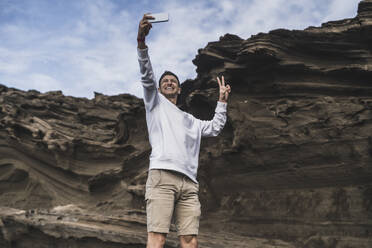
82	46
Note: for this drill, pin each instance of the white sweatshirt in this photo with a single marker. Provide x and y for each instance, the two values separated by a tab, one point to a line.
174	135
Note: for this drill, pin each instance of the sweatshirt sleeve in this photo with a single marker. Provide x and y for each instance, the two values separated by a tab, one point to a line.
150	92
214	126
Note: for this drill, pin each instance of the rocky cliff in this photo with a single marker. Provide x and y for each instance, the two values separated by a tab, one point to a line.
292	167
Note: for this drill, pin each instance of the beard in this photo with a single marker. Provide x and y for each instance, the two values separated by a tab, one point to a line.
171	95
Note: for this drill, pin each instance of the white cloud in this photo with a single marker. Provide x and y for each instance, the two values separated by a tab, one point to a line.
95	49
340	9
38	81
14	62
42	82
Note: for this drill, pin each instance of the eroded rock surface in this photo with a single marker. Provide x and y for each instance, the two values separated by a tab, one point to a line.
292	168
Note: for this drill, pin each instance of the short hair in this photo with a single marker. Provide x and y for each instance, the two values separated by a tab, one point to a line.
169	73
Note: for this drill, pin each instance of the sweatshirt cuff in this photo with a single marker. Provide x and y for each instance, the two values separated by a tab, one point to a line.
221	107
142	53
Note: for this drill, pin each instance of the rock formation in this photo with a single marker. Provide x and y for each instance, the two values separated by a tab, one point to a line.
292	168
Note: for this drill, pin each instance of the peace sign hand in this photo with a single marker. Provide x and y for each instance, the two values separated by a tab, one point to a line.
224	90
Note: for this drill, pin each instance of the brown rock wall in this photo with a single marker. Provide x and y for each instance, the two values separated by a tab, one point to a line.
292	167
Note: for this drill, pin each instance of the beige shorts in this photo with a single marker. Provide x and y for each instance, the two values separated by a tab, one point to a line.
169	193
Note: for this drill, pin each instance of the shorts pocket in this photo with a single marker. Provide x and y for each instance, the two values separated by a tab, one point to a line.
153	178
148	193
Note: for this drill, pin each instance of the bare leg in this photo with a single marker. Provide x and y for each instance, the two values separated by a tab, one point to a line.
188	241
155	240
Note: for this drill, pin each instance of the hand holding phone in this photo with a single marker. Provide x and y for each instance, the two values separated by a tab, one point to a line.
144	27
146	24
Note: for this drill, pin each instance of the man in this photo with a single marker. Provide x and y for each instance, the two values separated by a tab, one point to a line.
171	187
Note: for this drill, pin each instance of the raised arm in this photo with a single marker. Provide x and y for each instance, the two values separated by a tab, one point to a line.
150	93
214	126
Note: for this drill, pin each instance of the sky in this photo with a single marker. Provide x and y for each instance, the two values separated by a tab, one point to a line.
87	46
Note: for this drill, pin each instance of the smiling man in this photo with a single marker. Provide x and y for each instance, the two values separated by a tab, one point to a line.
169	86
171	187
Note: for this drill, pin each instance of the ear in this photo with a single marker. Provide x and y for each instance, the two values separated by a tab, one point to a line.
179	90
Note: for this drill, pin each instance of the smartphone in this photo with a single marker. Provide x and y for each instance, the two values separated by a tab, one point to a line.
159	17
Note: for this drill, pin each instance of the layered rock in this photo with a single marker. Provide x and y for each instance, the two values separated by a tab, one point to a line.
292	167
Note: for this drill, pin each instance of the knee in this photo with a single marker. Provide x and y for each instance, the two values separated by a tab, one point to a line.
155	240
188	241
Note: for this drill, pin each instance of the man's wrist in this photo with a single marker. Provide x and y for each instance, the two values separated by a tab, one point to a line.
141	42
140	39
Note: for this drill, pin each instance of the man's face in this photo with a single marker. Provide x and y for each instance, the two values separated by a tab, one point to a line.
169	85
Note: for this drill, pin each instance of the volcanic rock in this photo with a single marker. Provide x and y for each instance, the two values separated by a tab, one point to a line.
292	167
